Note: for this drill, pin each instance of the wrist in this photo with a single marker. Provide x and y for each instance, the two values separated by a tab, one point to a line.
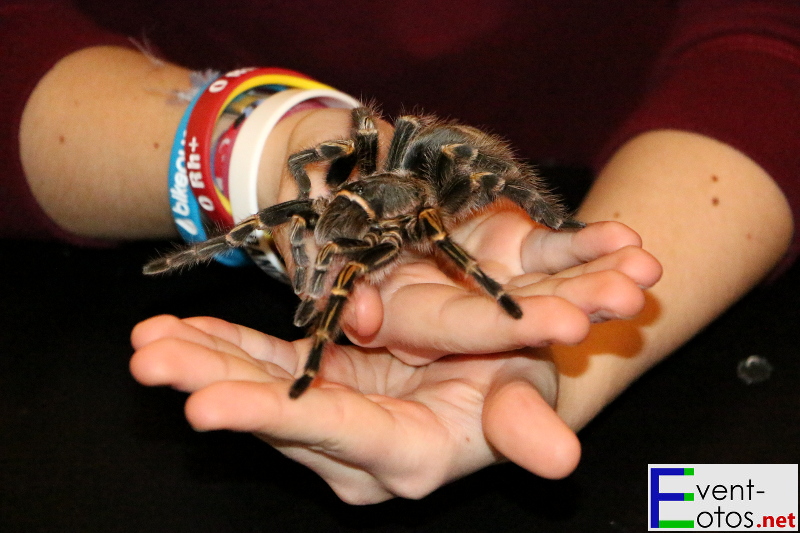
593	373
217	151
697	203
69	157
293	133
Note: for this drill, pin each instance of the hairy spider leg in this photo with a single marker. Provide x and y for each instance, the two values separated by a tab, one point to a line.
343	156
327	326
461	184
520	184
306	311
540	206
452	172
406	129
433	228
335	248
235	238
493	177
364	153
366	140
302	226
324	152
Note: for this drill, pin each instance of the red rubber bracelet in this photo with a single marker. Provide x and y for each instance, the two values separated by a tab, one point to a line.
222	146
200	129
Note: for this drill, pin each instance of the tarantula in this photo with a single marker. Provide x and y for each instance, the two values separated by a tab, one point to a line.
436	174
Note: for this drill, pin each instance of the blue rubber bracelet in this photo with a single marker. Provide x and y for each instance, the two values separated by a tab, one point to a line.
185	210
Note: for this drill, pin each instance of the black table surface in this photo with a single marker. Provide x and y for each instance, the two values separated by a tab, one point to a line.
83	447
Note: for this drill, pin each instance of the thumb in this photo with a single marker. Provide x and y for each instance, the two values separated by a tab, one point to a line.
525	429
362	318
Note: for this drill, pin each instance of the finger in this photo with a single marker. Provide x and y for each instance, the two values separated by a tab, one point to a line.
153	328
455	321
188	366
469	322
497	235
525	429
168	326
602	295
217	334
634	262
186	354
256	344
363	314
553	251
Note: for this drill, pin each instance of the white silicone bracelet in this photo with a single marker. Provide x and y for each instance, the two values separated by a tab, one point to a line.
249	145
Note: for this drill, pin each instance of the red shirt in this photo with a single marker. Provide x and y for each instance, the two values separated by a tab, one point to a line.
565	81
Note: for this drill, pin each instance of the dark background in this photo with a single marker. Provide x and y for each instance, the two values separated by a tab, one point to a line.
85	448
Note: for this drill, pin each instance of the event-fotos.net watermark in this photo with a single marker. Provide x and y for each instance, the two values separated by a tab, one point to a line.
722	497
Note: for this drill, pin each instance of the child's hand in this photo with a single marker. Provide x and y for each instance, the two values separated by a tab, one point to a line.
562	280
371	426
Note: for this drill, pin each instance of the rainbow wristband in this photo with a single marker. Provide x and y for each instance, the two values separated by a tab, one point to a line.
213	100
227	129
195	197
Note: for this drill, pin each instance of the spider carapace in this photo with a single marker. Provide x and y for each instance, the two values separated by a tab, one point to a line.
436	173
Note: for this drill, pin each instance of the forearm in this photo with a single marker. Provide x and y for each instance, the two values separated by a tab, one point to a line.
717	223
95	139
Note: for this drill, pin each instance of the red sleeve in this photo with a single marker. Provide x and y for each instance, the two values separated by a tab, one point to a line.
33	37
732	72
